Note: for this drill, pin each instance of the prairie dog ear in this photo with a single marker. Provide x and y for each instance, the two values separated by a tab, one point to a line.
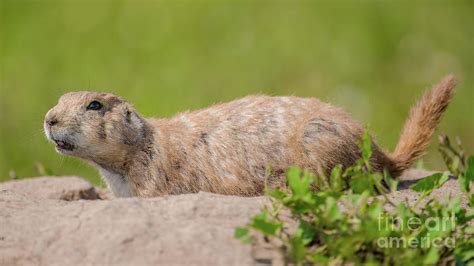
112	100
131	116
127	113
130	126
133	125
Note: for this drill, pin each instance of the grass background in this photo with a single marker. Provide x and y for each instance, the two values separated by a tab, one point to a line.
373	58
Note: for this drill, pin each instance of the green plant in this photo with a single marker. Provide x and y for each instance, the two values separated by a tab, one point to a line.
349	218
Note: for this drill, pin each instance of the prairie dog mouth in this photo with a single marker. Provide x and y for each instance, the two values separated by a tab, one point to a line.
62	145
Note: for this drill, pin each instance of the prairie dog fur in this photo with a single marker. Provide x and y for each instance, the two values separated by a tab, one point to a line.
226	148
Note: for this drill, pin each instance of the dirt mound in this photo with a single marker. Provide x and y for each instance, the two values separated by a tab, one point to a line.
62	188
61	221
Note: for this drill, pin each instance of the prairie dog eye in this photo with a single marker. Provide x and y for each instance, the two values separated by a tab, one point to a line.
94	105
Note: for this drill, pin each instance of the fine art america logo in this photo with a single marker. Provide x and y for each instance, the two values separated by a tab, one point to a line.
426	233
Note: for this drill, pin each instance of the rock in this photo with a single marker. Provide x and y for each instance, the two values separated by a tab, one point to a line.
47	221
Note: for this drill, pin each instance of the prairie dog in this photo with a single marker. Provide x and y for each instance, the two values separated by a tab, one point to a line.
226	148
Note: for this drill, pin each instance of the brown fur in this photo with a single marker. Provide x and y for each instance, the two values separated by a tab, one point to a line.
227	148
421	123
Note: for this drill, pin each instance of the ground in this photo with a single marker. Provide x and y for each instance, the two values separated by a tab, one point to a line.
67	221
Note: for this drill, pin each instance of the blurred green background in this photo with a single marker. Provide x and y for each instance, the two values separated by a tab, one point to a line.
374	58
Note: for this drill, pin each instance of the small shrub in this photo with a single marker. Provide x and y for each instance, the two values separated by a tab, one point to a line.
435	232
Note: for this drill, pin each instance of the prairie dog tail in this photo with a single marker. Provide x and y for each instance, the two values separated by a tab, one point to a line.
421	124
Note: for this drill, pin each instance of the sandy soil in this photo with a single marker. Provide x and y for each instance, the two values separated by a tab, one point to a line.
67	221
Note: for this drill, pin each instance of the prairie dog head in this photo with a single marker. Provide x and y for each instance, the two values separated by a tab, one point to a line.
94	126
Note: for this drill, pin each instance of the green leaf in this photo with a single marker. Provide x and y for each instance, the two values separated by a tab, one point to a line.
297	250
306	232
432	257
455	163
262	223
242	234
469	230
366	146
276	193
430	183
336	179
375	210
443	179
332	210
470	168
319	258
299	184
454	205
392	183
468	255
469	176
361	201
360	183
